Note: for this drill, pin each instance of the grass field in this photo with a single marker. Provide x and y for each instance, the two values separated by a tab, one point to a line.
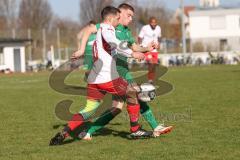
204	108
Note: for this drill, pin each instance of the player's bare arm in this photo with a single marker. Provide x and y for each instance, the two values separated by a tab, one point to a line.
86	32
138	48
79	38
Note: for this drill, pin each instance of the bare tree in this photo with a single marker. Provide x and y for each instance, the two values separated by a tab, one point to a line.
68	30
35	14
7	13
91	9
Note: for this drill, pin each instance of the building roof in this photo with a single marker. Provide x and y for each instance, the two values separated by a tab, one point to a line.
14	42
220	11
188	9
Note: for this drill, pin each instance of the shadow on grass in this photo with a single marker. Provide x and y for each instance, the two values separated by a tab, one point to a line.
108	132
56	126
102	132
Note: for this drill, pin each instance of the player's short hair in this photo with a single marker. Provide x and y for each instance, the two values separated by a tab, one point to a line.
109	10
126	6
152	18
91	22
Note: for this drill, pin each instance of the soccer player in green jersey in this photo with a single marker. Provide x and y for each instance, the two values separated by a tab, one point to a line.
124	34
88	62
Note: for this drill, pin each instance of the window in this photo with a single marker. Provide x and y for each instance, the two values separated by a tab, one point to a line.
239	22
218	22
223	44
1	56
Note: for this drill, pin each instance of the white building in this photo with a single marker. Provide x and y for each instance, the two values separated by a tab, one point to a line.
218	28
12	54
209	3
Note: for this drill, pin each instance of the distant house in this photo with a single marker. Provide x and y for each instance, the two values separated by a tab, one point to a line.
216	28
209	3
12	54
176	19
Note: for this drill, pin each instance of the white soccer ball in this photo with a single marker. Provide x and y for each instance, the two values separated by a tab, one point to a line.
147	92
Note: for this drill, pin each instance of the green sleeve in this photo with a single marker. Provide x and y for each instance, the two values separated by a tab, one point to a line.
131	39
98	25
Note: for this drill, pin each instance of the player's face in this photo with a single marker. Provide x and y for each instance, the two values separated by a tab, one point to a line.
153	23
126	17
115	20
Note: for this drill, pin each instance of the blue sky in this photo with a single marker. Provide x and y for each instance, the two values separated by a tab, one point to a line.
70	8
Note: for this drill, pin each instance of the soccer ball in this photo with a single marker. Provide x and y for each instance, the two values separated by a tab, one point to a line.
147	92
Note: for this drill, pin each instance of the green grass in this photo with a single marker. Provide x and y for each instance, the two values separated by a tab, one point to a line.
204	108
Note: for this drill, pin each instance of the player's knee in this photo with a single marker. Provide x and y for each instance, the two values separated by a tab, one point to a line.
118	104
132	95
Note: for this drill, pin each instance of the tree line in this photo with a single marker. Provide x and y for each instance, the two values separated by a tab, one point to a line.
19	18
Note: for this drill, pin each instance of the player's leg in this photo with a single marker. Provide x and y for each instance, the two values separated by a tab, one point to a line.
152	59
76	121
103	120
151	72
93	101
111	113
145	109
94	96
133	109
83	115
118	88
148	115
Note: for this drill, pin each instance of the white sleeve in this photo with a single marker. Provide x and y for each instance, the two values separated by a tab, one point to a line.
110	37
160	32
141	34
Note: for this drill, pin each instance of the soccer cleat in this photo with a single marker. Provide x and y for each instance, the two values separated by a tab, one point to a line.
85	136
57	139
161	129
141	133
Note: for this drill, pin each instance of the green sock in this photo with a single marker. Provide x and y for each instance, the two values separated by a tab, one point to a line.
103	120
148	115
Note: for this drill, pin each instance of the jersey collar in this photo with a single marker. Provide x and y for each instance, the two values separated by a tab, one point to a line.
121	27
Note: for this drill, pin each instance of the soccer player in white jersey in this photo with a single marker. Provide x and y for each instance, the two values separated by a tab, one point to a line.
151	33
104	78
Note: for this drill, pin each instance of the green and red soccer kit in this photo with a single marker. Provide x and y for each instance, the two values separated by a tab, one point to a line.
123	34
88	55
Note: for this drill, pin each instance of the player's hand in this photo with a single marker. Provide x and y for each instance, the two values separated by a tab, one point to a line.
156	45
76	55
151	46
138	55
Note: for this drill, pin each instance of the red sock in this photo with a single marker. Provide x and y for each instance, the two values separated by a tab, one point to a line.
133	112
151	71
151	75
76	121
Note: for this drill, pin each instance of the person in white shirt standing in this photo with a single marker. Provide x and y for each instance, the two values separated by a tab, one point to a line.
151	33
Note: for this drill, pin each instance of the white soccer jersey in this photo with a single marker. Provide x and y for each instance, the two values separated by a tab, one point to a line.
105	47
148	35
